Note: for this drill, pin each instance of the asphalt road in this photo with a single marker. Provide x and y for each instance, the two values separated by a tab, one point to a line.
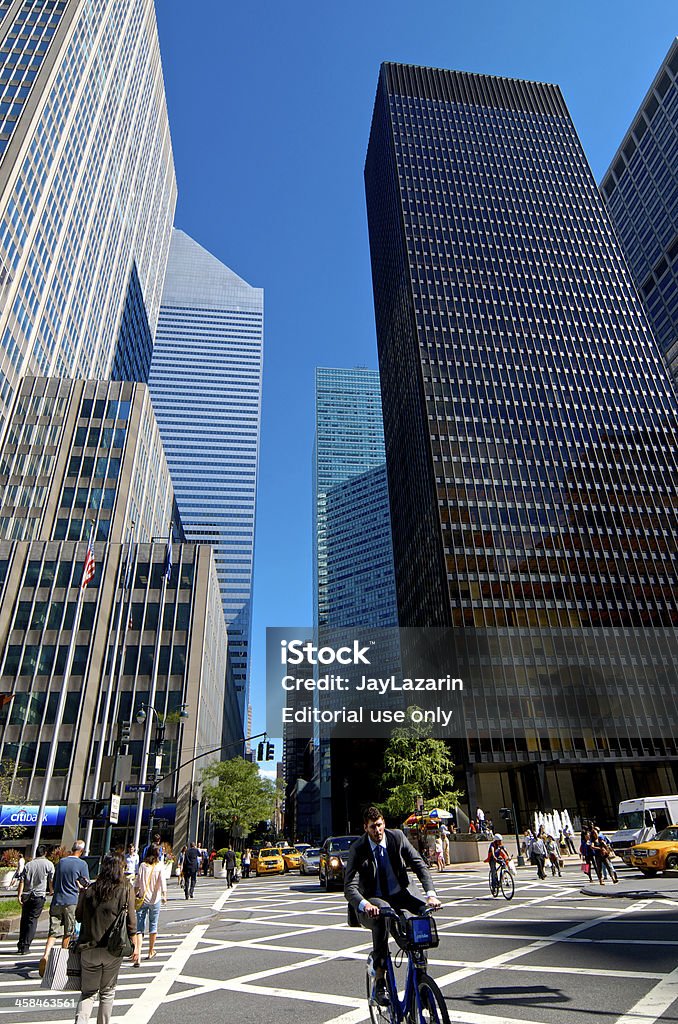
278	950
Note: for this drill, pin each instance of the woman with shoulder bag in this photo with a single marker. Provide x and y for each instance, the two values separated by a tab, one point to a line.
151	889
100	907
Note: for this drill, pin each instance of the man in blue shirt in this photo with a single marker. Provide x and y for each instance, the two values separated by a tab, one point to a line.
70	877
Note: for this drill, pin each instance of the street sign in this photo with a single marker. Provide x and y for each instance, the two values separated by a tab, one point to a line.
139	787
115	809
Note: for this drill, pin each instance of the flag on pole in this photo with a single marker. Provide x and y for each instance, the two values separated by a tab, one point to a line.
5	698
168	557
90	564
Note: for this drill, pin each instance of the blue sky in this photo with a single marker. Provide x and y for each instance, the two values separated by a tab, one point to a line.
270	107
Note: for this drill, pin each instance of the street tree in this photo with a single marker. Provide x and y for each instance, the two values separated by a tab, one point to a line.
418	767
237	796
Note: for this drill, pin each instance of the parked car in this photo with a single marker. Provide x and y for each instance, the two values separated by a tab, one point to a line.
332	861
291	857
267	861
658	854
309	861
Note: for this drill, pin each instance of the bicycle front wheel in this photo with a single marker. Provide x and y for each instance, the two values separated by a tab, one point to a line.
508	886
433	1008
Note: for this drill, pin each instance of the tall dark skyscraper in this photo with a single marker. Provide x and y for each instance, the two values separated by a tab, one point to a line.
641	192
529	425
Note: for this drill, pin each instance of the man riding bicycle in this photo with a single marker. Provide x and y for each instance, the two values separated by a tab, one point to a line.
375	877
496	855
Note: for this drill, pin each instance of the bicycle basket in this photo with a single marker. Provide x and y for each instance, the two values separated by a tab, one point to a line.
418	933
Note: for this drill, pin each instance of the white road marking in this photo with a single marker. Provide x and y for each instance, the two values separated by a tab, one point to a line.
654	1003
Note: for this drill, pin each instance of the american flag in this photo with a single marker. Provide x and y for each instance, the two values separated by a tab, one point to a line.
89	566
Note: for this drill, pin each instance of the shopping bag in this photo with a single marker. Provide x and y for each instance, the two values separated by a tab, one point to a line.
586	868
63	970
512	868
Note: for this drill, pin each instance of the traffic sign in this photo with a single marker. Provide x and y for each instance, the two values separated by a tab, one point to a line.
139	787
115	809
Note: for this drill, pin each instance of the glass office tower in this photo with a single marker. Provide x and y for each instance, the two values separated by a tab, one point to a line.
87	185
352	530
354	583
530	432
205	384
640	190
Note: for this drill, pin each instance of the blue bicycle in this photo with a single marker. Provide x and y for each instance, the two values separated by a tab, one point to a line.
422	1001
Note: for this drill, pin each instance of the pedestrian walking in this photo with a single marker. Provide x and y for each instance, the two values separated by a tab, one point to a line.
35	883
180	865
191	865
156	840
588	856
229	862
568	836
245	862
71	875
98	908
538	854
553	853
204	853
440	856
131	862
151	889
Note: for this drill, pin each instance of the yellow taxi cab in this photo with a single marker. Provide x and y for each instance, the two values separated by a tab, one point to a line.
267	861
291	857
658	854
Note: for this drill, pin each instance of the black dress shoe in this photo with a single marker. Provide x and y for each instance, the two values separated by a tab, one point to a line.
381	992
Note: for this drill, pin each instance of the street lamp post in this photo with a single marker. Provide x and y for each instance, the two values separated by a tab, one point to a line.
158	752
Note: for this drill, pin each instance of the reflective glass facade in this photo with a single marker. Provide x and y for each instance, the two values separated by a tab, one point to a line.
529	417
205	383
352	531
641	192
87	185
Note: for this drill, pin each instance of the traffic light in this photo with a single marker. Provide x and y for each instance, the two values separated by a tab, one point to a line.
91	809
260	751
270	752
124	732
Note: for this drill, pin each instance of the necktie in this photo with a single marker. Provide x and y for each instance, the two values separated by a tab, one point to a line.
382	877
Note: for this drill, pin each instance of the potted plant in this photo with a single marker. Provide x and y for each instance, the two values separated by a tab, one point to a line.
9	862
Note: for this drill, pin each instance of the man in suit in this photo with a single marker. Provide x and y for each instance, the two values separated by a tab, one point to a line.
375	877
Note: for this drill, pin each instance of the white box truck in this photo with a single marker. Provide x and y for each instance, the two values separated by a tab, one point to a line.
641	819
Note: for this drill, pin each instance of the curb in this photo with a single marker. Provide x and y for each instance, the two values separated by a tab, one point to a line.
633	894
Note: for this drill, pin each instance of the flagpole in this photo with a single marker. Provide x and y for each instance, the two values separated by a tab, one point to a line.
110	688
154	685
58	719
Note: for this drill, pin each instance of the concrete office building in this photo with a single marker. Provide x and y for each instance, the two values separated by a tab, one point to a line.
87	189
530	440
81	452
640	190
205	383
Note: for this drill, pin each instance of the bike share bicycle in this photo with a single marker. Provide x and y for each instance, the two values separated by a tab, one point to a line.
502	882
422	1001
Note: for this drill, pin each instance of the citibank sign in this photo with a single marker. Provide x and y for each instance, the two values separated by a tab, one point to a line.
27	814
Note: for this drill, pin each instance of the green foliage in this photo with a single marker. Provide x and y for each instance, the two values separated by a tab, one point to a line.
416	765
237	796
9	859
7	771
9	908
